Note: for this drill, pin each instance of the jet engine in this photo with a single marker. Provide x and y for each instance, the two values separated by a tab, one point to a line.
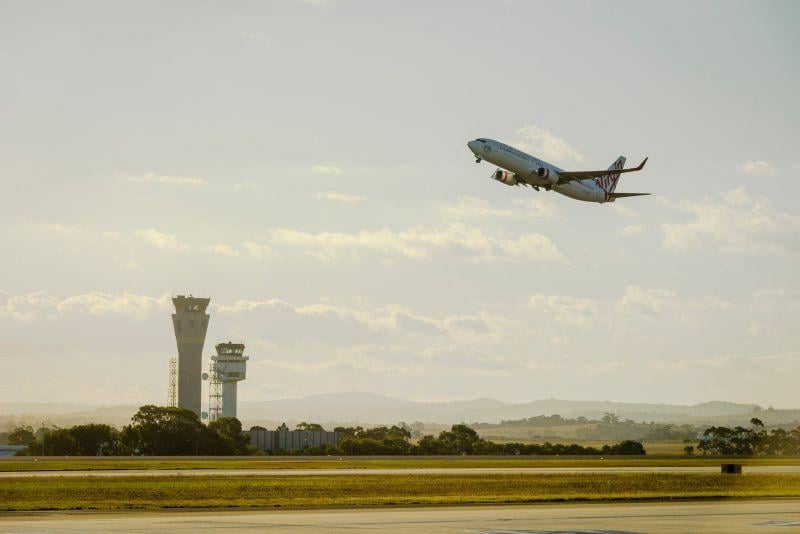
508	178
546	177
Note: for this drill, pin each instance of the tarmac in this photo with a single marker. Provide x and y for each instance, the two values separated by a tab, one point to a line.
386	472
708	516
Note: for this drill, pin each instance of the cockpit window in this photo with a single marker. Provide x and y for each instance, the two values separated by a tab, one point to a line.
481	140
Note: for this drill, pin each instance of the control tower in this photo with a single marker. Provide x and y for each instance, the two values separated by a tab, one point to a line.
228	367
190	322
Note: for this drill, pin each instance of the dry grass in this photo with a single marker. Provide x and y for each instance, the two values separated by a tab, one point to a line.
84	493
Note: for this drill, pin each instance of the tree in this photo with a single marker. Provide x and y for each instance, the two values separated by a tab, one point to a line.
627	447
229	429
311	427
59	442
688	450
22	435
610	418
96	439
164	431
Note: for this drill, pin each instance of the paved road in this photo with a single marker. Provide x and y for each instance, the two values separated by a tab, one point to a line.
726	516
412	471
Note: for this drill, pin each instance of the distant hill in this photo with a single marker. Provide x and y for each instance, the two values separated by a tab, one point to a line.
18	408
374	408
63	415
371	408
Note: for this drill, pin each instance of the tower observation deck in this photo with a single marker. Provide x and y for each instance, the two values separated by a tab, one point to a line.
190	322
228	367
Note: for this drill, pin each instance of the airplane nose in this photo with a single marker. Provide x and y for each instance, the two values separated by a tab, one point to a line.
473	146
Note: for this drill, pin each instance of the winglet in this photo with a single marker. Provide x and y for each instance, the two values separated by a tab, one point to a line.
641	165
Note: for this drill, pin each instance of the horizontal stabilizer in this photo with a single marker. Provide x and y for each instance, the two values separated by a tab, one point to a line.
567	176
622	195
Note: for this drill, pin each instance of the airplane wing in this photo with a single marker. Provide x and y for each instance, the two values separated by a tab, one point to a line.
568	176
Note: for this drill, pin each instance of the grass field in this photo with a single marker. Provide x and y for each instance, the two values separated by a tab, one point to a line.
348	462
314	492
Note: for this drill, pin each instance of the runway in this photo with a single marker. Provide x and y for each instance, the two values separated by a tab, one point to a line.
724	516
388	472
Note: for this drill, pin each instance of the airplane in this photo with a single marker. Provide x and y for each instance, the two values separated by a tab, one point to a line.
518	168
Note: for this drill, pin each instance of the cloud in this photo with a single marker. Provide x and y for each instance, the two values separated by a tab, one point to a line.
418	242
340	197
222	250
566	310
624	211
758	167
255	37
40	305
104	303
327	169
630	230
665	304
161	240
544	144
257	250
467	207
737	223
29	307
151	178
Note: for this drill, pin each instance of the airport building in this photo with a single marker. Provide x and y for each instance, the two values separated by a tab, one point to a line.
190	322
290	440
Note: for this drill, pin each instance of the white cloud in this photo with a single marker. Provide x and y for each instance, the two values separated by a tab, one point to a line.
545	145
736	223
467	207
419	242
758	167
257	250
152	178
103	303
255	37
566	310
340	197
160	240
327	169
657	303
630	230
40	305
624	210
222	250
29	307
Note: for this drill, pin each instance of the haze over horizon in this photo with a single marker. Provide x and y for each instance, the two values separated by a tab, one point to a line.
304	164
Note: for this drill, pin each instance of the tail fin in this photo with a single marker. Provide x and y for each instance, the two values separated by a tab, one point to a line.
608	182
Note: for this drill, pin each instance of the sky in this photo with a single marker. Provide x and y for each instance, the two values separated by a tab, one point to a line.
304	165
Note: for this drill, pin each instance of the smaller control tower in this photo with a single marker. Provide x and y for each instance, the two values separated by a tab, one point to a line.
228	367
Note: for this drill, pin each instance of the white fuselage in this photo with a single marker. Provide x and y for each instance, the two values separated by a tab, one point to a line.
525	167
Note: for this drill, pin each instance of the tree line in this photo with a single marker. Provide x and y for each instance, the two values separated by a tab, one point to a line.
459	440
154	431
170	431
741	441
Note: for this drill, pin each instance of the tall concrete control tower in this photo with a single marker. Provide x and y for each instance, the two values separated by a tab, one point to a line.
190	322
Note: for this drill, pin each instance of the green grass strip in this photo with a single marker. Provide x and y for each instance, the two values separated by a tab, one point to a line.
124	493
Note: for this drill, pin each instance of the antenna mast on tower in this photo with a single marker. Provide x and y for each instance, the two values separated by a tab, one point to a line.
172	392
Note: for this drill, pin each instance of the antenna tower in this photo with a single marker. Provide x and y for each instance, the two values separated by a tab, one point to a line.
172	392
216	372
